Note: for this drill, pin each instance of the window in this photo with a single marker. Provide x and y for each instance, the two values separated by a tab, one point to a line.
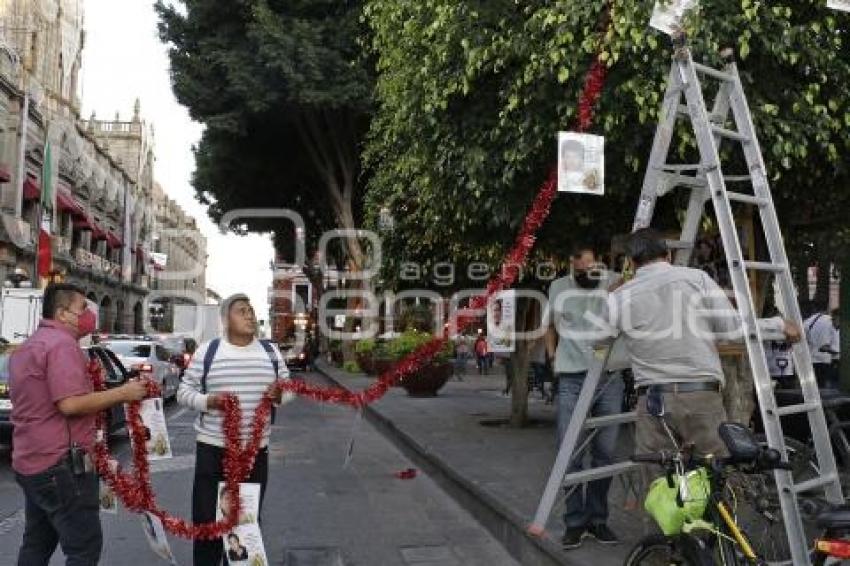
162	354
302	300
130	349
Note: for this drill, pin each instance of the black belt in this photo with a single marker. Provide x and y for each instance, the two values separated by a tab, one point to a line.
684	387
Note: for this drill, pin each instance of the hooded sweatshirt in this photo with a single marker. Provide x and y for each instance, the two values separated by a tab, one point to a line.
245	371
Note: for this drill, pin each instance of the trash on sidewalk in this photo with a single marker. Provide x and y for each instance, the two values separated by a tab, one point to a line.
407	474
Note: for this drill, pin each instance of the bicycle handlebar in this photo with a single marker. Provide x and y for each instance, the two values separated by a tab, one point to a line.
768	459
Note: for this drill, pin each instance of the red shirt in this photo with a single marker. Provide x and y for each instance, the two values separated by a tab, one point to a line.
48	367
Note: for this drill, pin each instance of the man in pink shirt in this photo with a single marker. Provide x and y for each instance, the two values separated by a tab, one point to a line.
53	412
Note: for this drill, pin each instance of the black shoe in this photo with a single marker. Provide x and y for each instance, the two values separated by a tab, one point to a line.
603	534
573	537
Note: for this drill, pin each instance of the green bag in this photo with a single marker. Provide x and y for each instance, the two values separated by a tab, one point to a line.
661	501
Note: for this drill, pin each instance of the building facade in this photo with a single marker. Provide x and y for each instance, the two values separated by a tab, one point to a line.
82	187
180	278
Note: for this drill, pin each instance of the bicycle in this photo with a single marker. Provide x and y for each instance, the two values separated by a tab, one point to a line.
705	529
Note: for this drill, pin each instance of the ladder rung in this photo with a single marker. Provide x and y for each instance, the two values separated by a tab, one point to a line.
675	180
680	168
815	483
711	72
730	134
737	178
620	418
798	409
749	199
601	472
764	266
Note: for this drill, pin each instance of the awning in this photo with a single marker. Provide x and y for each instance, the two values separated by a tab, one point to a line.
66	202
112	240
88	223
97	232
32	190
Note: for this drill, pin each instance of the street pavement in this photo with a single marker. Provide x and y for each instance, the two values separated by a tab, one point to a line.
464	432
317	513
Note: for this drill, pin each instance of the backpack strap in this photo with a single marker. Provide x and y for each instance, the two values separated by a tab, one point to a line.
267	346
209	356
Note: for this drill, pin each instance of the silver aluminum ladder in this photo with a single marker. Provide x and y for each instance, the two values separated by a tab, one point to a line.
706	181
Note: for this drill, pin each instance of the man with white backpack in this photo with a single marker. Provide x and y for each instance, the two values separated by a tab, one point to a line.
238	363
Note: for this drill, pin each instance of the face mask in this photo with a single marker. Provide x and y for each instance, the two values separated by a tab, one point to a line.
587	279
86	323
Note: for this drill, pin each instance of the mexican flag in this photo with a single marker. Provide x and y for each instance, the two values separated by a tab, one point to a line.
45	251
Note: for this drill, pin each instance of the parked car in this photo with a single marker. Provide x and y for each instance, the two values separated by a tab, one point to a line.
151	359
116	374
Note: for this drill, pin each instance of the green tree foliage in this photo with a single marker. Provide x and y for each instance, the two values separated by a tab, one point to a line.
285	97
471	94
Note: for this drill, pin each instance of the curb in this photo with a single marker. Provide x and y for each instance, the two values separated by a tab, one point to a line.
505	525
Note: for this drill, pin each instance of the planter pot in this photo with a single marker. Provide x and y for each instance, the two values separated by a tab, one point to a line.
382	365
366	363
428	381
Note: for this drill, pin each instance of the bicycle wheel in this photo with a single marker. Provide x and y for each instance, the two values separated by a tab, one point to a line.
660	550
757	508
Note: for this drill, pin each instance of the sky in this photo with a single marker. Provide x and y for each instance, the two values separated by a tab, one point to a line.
123	60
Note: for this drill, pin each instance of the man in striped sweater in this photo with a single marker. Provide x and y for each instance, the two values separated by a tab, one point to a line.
249	368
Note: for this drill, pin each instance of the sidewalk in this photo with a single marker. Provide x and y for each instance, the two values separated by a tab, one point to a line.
496	472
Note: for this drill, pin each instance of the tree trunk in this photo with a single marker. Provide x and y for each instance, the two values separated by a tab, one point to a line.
824	277
517	366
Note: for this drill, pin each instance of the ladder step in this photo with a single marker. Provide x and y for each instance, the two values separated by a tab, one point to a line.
764	266
815	483
676	180
737	178
712	72
599	473
749	199
798	409
730	134
679	168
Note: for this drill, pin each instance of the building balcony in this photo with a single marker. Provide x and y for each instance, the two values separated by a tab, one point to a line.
61	248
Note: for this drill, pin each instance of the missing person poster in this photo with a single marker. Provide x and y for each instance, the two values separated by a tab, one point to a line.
581	163
244	544
155	534
501	322
668	15
157	443
842	5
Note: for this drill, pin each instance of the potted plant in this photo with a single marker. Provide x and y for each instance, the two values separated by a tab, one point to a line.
363	352
382	359
335	352
429	379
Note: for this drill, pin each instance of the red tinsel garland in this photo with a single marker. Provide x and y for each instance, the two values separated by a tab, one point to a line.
136	491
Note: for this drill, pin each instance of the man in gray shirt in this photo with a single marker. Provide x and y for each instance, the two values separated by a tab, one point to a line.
577	305
670	319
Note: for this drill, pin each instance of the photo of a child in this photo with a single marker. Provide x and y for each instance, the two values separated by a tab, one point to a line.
581	163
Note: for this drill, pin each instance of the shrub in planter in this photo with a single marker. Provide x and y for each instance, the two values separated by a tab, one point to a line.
351	367
364	351
433	376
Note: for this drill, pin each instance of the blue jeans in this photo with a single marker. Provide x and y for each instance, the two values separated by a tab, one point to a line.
61	509
590	506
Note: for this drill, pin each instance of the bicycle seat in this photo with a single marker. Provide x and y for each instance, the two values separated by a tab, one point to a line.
835	518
